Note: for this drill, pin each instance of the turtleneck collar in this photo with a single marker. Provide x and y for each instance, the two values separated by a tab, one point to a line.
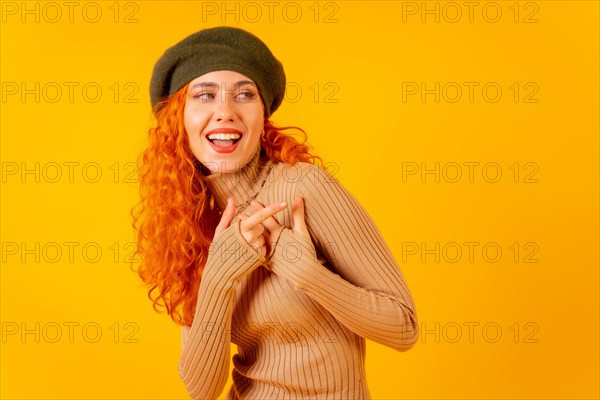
241	185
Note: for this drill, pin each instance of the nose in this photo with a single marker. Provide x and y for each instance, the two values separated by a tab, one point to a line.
225	109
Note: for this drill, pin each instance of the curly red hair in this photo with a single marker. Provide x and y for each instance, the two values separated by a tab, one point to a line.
173	222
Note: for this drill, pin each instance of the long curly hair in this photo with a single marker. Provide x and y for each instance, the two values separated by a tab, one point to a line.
173	221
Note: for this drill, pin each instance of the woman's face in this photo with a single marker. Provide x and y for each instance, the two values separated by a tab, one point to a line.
225	103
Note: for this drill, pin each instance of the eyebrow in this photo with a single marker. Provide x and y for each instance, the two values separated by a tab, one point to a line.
216	85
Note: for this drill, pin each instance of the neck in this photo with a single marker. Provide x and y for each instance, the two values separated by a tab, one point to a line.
241	185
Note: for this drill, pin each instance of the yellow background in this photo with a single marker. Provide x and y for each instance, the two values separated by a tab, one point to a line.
366	53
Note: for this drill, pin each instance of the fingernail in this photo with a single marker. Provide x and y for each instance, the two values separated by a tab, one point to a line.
283	204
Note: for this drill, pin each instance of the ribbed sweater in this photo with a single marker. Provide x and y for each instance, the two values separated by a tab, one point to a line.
300	315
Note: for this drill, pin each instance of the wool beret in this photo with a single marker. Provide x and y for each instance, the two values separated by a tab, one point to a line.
214	49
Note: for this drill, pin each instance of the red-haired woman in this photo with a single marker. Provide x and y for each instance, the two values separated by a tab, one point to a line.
245	239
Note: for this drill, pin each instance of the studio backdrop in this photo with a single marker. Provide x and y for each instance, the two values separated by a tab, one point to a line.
467	129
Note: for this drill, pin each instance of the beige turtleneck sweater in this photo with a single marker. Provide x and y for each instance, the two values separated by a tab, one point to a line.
300	315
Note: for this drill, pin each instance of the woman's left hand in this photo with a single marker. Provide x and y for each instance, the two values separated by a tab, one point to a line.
273	229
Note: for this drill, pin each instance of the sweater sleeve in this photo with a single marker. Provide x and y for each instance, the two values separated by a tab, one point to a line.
204	361
367	292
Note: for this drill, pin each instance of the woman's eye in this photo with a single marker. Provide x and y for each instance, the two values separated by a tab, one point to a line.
246	95
205	96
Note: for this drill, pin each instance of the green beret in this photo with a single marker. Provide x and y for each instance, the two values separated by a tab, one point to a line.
214	49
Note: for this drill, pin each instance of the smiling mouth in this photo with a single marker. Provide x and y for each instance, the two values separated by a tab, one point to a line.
224	139
224	143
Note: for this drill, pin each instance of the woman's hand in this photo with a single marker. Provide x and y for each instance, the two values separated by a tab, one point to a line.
251	227
272	228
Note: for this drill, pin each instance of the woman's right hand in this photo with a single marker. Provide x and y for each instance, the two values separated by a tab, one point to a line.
251	227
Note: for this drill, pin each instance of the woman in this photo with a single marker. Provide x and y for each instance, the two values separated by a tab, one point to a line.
297	289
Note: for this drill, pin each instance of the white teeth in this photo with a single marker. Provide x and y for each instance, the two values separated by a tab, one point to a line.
224	136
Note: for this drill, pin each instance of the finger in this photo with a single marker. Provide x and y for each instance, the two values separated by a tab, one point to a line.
258	230
227	216
252	235
258	245
260	240
262	214
298	215
270	222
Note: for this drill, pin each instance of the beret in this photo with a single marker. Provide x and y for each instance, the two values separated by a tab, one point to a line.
214	49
